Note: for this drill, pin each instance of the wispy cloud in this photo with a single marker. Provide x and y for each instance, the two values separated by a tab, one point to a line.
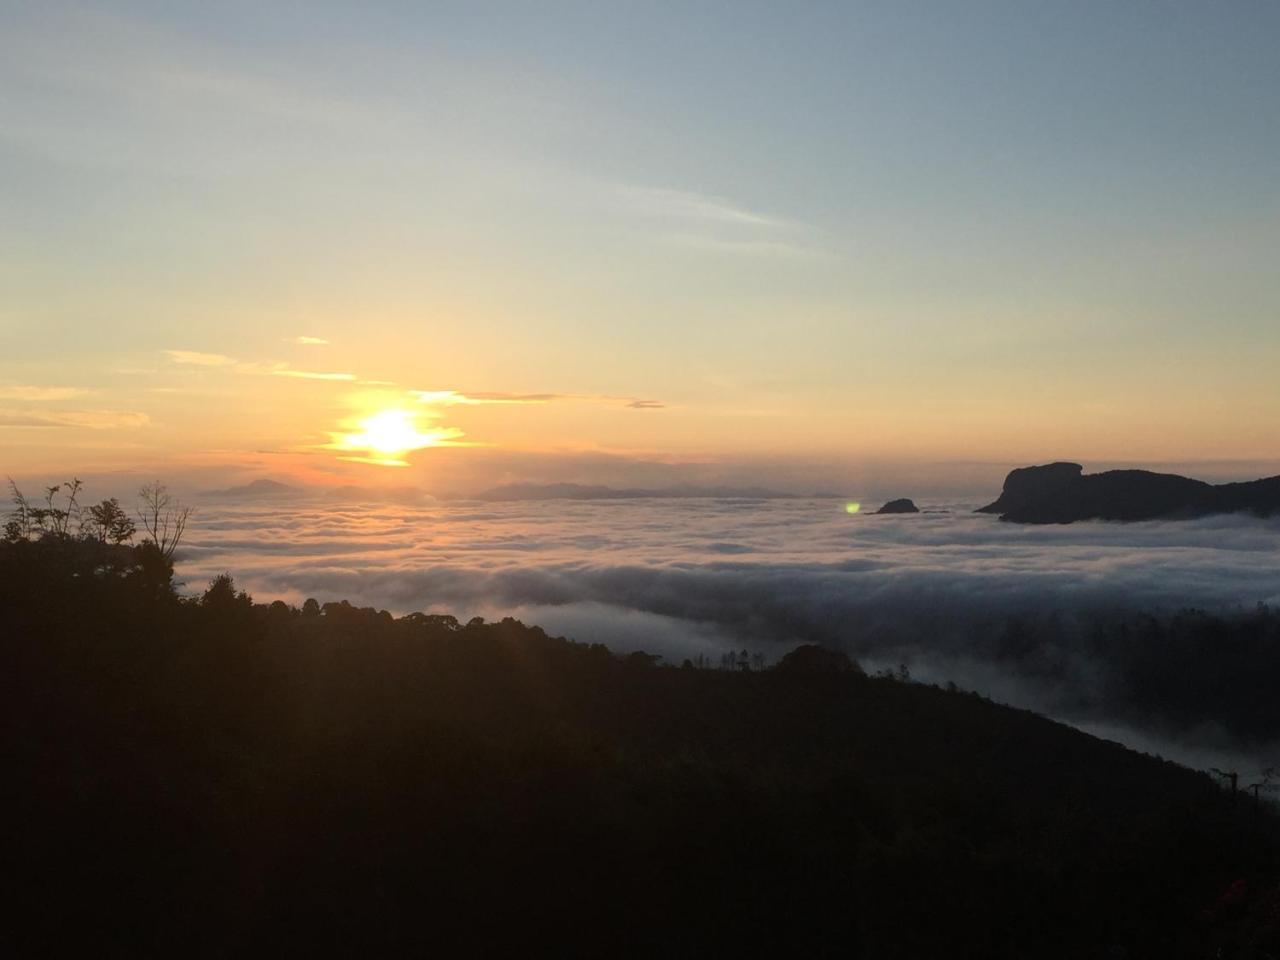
308	341
377	461
22	391
87	419
310	374
499	397
127	60
716	224
197	358
450	398
687	205
9	419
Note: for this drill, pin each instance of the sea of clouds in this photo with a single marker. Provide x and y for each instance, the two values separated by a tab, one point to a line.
686	577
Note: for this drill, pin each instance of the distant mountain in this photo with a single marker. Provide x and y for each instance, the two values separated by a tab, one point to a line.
265	489
258	489
578	491
1063	493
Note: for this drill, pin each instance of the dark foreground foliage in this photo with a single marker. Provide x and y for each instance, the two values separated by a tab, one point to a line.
215	777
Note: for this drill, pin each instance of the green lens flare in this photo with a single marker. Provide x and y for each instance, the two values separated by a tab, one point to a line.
853	506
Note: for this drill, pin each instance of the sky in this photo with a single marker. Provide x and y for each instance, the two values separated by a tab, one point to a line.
452	245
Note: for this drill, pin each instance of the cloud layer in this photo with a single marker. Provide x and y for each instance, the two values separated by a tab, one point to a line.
680	578
787	569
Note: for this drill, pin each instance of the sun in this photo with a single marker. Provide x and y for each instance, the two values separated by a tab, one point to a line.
390	432
384	438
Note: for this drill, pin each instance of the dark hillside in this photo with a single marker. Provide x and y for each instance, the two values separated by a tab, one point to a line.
214	777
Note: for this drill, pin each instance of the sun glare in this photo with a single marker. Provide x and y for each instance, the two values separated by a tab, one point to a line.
391	431
385	437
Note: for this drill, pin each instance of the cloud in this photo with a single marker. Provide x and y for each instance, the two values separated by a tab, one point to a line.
387	461
126	60
432	398
20	391
688	205
27	420
308	341
802	568
87	419
936	591
222	361
449	398
496	397
310	374
196	358
717	225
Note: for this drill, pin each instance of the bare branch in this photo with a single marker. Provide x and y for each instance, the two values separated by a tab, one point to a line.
163	517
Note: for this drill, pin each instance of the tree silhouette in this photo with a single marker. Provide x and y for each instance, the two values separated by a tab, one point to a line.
163	517
222	596
108	523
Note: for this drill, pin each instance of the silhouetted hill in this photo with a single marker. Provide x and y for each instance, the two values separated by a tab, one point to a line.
1061	493
902	505
212	776
578	491
1027	485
